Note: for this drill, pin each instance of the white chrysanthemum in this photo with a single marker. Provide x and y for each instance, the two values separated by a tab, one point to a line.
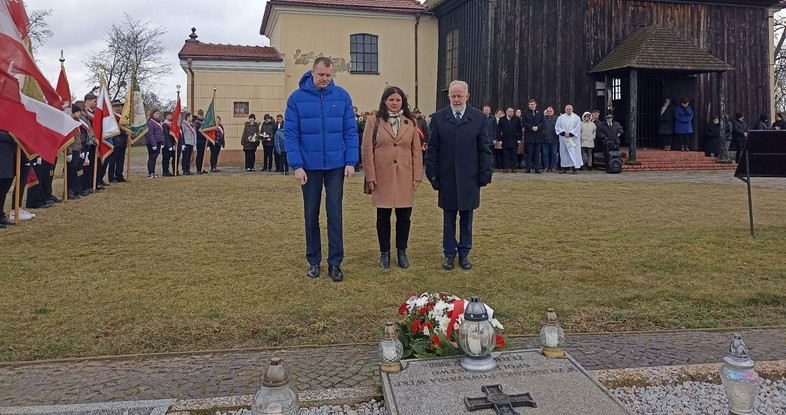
426	331
497	325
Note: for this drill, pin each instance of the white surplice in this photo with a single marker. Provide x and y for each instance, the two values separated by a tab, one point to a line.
569	147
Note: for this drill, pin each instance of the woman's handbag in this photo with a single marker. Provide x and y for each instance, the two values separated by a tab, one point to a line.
366	186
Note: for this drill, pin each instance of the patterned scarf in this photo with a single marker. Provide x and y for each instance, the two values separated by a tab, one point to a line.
395	121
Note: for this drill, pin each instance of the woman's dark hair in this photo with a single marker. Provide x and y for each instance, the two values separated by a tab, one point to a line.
685	100
152	111
383	109
764	117
738	115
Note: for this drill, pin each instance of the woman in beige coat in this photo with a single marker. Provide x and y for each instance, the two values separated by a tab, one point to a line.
394	169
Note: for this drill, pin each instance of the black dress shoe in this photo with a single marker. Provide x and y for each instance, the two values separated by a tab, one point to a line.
121	180
202	172
2	226
464	263
384	260
402	259
74	196
5	222
85	193
112	181
335	273
54	199
42	206
100	187
537	171
313	271
449	263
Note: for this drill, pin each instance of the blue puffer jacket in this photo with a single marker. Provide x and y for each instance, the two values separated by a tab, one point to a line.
683	120
320	128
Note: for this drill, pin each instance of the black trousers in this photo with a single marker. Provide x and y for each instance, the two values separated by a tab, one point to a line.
200	156
185	159
665	140
215	150
74	184
118	164
46	178
167	159
509	156
277	158
403	223
498	158
738	143
532	154
5	186
268	159
282	158
152	156
250	158
102	167
683	140
36	196
87	170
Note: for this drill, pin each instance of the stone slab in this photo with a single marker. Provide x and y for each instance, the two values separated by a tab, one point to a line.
149	407
439	386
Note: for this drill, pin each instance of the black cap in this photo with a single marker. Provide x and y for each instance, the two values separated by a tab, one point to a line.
594	111
75	108
117	102
252	116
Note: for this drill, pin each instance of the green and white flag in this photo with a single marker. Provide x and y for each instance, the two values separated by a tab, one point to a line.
134	120
209	124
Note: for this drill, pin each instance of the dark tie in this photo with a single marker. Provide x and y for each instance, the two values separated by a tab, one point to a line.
458	116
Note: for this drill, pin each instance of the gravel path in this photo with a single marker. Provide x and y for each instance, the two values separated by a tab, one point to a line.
698	398
366	408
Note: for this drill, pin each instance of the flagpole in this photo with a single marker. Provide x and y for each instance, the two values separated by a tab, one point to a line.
177	142
95	168
16	186
128	156
65	174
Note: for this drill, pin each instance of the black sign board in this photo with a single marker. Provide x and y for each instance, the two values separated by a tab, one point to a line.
764	155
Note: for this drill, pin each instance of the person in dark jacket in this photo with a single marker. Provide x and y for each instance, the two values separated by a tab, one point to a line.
154	139
666	124
424	131
187	143
611	131
322	148
250	141
683	123
168	148
712	136
117	160
764	122
739	133
215	149
268	133
780	123
73	162
458	164
509	132
534	124
277	155
551	140
201	142
491	127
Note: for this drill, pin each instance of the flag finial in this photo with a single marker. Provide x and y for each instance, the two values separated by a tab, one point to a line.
62	57
178	88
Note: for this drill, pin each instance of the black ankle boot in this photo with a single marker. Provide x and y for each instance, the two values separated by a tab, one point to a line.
384	260
403	261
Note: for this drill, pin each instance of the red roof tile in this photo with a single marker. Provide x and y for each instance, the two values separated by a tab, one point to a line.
391	5
199	50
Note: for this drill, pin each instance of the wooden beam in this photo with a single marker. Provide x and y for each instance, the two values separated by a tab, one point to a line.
632	112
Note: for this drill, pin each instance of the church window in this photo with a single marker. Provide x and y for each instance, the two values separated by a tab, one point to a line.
451	56
240	109
616	89
364	53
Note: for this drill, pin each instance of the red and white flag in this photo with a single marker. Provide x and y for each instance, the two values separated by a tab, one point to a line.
63	89
105	124
174	130
13	29
41	129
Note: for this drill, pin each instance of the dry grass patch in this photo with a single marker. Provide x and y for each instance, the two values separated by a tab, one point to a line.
218	261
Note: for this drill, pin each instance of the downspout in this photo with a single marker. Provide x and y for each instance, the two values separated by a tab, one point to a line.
191	89
417	23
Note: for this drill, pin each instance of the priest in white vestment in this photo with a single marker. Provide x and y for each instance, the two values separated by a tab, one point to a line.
569	130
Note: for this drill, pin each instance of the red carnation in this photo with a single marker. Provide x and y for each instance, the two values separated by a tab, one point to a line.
403	309
430	304
500	341
435	340
423	310
415	326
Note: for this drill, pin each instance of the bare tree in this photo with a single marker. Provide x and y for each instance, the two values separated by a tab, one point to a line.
38	29
131	45
780	61
153	101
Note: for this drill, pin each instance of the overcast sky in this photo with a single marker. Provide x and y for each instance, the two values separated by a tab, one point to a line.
80	27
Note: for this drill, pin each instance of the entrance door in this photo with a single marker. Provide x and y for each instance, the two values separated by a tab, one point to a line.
648	114
684	87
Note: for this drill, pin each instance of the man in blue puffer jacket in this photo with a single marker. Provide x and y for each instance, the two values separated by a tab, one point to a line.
322	149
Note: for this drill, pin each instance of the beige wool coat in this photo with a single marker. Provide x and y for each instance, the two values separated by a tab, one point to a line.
395	163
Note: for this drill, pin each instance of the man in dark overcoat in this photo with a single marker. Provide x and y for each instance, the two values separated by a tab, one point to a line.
458	164
533	135
666	124
509	132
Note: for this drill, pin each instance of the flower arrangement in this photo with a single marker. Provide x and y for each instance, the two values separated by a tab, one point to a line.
266	136
432	323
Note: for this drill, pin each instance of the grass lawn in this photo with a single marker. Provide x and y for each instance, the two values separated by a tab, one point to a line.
217	261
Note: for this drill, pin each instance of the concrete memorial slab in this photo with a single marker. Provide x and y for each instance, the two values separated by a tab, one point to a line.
524	382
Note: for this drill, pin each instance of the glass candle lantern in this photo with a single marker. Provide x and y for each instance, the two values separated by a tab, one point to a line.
552	336
276	396
740	380
390	350
477	337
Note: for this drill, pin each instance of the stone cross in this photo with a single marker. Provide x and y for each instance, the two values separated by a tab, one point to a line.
501	403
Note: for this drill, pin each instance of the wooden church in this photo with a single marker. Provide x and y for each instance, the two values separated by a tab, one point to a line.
621	56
